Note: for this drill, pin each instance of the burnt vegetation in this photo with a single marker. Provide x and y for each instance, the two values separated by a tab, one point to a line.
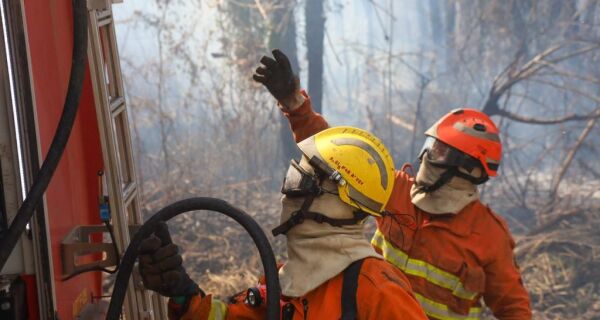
203	128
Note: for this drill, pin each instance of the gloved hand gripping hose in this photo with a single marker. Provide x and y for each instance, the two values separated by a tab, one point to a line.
63	131
260	239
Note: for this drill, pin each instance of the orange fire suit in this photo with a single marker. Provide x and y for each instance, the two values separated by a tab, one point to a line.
451	260
383	292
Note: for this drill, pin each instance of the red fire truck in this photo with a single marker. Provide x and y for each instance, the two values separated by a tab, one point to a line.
55	267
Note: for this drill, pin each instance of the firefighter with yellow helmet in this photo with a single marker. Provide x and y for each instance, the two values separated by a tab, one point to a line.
454	249
332	272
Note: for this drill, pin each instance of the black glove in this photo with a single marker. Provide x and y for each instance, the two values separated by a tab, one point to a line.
161	265
277	76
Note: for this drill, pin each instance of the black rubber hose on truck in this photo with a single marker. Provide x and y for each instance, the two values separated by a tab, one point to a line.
55	152
193	204
61	136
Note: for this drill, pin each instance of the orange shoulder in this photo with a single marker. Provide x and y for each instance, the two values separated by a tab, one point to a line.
405	176
408	169
381	273
400	196
382	285
493	223
493	217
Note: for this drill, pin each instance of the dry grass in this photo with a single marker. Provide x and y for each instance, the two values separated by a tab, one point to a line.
559	260
560	267
218	253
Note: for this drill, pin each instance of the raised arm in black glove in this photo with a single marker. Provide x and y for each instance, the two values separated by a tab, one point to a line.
161	266
277	76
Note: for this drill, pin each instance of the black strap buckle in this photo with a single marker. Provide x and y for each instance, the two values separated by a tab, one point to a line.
319	218
296	218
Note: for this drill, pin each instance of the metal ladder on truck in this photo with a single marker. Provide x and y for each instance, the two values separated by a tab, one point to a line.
111	110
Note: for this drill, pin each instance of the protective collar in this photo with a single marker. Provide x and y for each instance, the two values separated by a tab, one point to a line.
303	181
317	251
450	197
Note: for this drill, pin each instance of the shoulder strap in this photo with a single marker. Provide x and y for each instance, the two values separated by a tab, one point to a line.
299	216
349	290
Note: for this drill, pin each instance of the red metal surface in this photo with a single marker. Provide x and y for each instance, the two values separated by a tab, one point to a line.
72	194
34	312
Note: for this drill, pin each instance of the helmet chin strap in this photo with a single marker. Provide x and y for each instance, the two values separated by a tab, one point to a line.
450	173
299	216
442	180
476	181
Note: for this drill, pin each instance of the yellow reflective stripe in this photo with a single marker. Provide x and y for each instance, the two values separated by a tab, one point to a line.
421	268
391	254
441	311
218	310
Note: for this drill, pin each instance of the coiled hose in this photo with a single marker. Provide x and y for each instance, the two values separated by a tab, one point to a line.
61	136
193	204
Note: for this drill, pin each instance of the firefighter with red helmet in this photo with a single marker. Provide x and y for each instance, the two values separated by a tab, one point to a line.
332	271
454	249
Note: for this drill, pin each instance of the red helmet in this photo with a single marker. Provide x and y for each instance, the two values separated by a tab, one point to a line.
473	133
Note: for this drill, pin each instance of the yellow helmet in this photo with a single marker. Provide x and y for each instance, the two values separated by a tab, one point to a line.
359	163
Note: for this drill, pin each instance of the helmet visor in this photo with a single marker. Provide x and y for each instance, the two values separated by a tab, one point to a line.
442	154
298	182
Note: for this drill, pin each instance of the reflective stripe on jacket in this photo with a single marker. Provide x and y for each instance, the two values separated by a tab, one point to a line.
450	260
453	260
383	293
432	274
421	268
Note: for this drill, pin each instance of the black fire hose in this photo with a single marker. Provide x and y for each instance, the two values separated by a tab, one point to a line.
61	136
258	236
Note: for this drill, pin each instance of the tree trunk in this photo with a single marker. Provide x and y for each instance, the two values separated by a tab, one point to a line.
570	17
589	14
588	18
283	37
450	21
437	24
519	10
437	31
315	31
